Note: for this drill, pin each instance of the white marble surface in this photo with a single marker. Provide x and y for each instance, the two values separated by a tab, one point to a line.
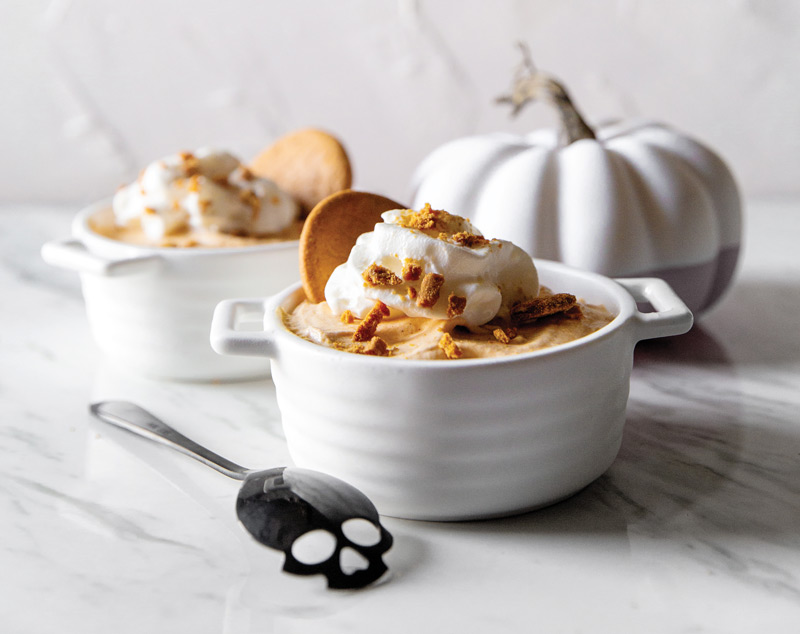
695	528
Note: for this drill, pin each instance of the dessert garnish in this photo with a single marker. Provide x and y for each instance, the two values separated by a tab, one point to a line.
310	164
331	230
202	191
433	264
424	284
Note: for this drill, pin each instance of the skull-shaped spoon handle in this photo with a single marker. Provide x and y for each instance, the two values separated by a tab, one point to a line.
277	506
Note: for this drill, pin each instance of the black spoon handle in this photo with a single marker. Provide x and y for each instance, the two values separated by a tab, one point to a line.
133	418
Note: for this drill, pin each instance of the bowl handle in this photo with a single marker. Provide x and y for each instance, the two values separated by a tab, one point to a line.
672	317
72	254
228	336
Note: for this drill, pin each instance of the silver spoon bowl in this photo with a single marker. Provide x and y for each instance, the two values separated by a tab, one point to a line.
280	505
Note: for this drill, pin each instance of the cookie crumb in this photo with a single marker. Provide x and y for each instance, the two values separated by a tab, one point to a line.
412	270
470	240
249	197
449	347
425	218
375	347
411	292
504	335
366	329
429	290
377	275
191	166
530	310
347	317
455	305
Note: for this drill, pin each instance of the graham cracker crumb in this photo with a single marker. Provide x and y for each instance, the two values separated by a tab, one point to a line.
411	292
504	335
412	270
191	166
249	197
347	317
429	290
375	347
533	309
425	218
449	347
464	239
366	329
455	305
377	275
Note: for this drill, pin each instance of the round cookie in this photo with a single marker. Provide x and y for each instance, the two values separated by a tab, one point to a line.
309	164
331	230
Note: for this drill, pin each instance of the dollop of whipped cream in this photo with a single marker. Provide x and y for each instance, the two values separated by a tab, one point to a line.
205	190
432	264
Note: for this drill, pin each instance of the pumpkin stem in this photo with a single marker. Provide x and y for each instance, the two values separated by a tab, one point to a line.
530	84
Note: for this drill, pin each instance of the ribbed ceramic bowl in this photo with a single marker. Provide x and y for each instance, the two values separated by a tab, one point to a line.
464	439
149	308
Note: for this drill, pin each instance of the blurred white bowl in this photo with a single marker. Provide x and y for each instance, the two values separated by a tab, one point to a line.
150	308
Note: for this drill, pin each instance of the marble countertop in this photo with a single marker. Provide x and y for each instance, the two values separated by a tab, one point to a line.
695	527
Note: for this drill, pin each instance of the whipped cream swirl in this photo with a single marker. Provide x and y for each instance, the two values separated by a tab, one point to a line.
205	190
432	264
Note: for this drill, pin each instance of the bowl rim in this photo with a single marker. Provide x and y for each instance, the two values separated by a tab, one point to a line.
625	313
83	231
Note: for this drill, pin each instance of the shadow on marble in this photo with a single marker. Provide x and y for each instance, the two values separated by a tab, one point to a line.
696	463
756	322
698	346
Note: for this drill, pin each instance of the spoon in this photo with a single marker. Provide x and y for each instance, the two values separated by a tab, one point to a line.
280	505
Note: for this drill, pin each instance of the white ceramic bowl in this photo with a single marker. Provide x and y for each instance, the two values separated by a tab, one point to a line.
465	439
149	308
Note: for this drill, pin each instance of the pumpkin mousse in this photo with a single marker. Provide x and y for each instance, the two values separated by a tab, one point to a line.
205	198
426	284
209	198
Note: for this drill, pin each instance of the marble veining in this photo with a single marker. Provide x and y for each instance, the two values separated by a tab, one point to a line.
89	78
694	528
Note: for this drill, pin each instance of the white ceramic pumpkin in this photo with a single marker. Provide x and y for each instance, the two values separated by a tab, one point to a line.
628	199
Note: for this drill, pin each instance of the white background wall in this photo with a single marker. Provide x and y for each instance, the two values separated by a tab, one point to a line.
93	89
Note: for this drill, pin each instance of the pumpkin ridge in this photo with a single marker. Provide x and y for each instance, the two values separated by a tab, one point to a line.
512	183
628	181
697	239
713	170
466	183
